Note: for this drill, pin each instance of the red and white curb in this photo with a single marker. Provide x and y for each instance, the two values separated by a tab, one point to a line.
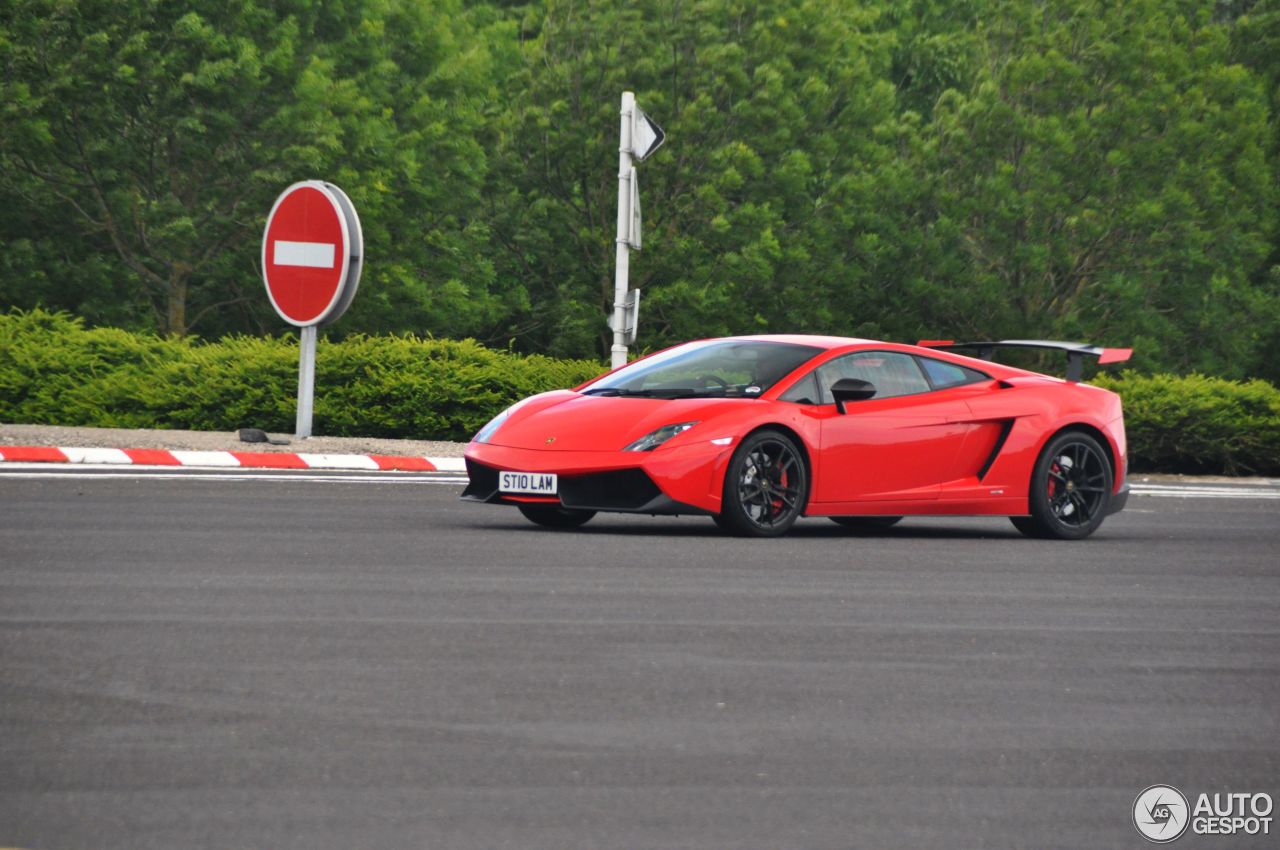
245	460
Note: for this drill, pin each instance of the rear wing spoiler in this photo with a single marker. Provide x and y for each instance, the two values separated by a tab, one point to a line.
1075	351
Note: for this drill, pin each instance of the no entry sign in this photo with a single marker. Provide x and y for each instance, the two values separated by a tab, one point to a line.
311	253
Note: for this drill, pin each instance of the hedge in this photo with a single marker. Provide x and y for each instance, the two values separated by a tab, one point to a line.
1199	424
54	371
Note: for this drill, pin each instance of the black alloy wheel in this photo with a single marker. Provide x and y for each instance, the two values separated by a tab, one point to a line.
554	516
1070	489
866	524
765	487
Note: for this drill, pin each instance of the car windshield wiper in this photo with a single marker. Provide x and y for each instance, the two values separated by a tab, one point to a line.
659	392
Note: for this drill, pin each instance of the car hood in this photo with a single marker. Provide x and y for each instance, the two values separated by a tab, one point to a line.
570	421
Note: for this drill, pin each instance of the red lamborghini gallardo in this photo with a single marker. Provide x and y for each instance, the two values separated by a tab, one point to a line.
758	431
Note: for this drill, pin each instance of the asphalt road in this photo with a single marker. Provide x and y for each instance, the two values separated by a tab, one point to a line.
322	664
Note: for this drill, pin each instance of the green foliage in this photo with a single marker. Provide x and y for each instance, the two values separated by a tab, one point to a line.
1105	178
141	144
763	212
53	370
1199	424
976	168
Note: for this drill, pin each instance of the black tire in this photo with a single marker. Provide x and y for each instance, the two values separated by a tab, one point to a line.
765	487
1027	526
866	523
1070	489
554	516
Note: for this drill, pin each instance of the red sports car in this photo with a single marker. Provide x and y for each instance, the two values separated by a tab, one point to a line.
758	431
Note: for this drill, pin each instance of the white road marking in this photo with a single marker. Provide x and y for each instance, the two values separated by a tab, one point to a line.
155	473
213	466
1203	492
312	255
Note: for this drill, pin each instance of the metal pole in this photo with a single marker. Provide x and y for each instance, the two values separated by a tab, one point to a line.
622	263
306	380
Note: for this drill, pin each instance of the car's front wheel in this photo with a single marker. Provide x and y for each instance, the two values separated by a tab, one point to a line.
1070	489
765	487
554	516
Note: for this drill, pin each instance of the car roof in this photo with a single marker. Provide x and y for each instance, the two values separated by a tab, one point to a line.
827	342
831	343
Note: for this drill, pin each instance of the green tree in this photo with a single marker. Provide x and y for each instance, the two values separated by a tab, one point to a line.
1105	178
921	168
157	133
765	211
1255	40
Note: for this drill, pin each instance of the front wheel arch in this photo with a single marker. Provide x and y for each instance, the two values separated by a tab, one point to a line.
795	438
766	466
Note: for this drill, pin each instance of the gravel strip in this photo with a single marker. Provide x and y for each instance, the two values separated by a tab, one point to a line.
125	438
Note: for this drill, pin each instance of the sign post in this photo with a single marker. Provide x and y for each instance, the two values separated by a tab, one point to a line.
639	136
306	381
312	255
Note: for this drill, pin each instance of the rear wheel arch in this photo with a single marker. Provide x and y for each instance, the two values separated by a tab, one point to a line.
1093	431
1070	487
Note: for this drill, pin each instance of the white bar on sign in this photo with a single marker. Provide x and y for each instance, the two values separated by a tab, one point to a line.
314	255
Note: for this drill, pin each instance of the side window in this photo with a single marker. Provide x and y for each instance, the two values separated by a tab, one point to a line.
892	374
804	391
944	375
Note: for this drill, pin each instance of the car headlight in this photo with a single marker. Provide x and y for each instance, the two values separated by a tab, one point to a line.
653	439
483	435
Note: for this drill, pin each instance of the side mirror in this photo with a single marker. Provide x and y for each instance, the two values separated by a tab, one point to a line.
851	389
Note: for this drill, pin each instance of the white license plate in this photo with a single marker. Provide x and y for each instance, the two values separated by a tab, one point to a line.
533	483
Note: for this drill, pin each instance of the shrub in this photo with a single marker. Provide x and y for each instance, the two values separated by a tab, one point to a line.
53	370
1195	423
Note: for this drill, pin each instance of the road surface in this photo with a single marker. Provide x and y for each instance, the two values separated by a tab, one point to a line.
254	662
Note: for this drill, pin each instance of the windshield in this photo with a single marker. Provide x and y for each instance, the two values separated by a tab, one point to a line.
719	369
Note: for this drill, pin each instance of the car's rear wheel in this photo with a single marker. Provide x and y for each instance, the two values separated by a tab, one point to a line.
554	516
765	487
866	523
1070	489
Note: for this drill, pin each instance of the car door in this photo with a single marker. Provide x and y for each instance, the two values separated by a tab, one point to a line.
899	445
984	432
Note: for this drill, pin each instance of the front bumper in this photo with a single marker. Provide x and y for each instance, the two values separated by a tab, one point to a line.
678	480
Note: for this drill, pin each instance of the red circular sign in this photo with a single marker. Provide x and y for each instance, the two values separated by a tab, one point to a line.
311	253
